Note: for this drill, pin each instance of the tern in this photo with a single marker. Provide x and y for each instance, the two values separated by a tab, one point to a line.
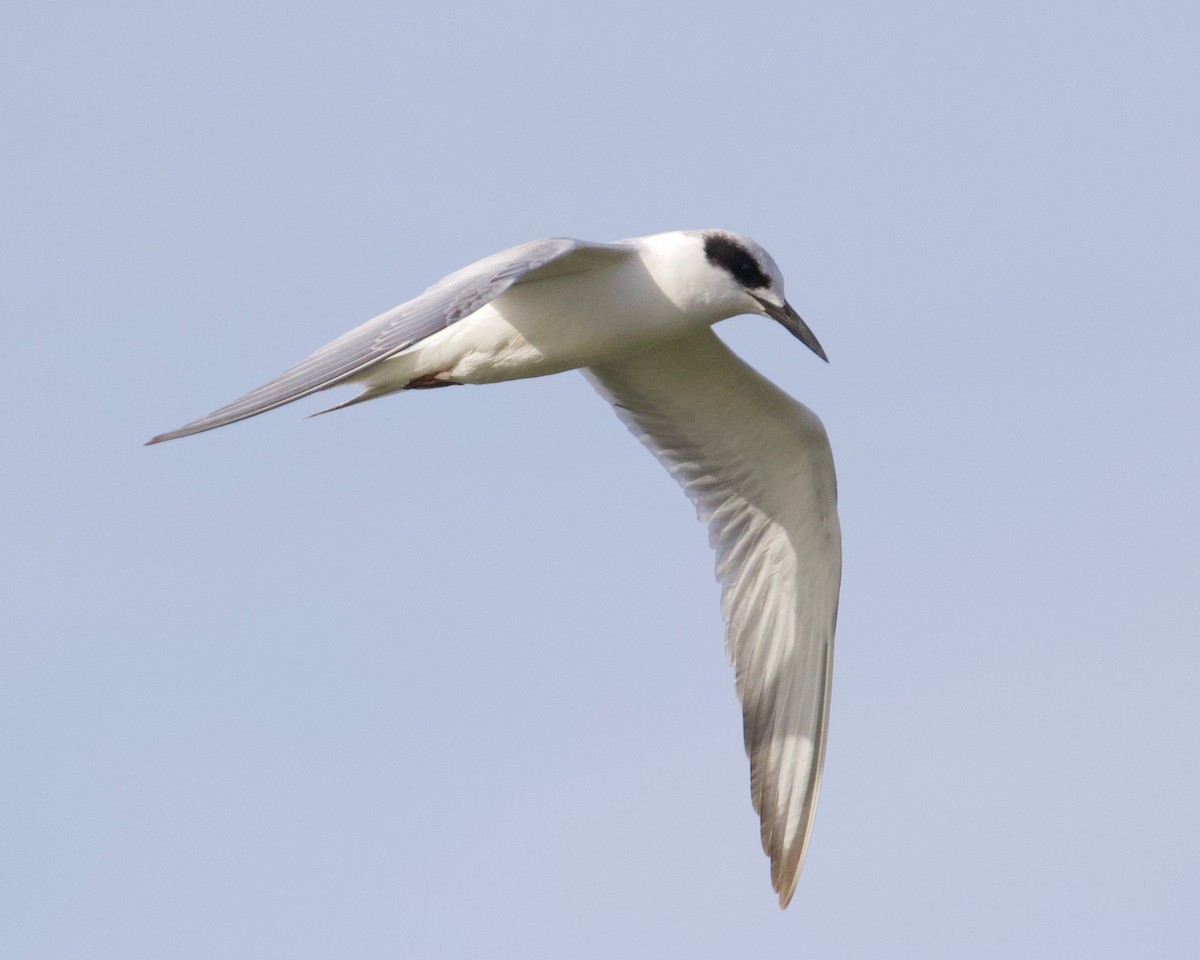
636	316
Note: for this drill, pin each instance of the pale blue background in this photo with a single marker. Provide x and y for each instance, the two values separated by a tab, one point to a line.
442	676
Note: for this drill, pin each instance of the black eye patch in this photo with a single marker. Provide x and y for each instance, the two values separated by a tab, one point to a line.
736	260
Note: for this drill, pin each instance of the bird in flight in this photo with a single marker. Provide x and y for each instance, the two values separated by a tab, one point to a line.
636	316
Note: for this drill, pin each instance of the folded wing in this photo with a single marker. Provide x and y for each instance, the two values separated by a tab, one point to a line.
758	467
449	300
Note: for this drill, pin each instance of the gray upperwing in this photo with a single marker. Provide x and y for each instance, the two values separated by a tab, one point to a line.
449	300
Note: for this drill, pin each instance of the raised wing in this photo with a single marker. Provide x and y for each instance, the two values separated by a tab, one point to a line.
449	300
758	467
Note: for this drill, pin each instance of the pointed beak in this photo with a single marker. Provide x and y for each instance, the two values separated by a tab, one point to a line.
794	325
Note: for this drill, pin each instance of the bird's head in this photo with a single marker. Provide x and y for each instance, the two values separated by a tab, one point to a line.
748	281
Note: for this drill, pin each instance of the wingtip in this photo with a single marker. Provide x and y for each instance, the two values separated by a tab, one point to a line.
783	882
171	435
786	867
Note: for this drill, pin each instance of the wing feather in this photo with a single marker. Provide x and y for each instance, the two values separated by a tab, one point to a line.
449	300
758	467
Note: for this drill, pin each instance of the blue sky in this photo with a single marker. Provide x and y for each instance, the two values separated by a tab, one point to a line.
443	675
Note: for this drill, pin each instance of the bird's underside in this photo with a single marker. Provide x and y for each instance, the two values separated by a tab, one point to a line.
755	462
